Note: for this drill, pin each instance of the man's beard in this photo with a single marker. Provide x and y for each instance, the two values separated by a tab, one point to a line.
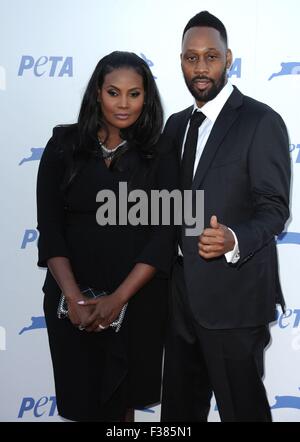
211	93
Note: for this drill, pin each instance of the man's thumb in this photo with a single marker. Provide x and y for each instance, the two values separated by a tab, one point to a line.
214	222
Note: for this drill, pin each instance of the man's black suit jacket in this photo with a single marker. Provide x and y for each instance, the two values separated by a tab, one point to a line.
244	171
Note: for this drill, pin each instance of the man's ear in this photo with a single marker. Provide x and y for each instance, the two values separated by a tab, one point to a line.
228	58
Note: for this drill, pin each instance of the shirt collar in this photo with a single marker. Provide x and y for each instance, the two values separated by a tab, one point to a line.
212	108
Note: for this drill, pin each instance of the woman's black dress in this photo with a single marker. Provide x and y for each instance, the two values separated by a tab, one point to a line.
99	375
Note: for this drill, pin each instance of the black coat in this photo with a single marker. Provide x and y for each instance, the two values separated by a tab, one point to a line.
245	174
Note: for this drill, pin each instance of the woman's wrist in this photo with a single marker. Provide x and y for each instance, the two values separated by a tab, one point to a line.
121	296
73	296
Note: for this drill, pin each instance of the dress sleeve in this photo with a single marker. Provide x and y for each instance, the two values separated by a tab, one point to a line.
159	251
50	203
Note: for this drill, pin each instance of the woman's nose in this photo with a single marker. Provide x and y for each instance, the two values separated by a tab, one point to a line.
123	102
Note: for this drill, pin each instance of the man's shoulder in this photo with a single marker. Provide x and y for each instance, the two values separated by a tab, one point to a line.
177	120
252	110
251	105
177	116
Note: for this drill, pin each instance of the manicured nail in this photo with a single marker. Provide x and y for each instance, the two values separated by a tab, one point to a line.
80	302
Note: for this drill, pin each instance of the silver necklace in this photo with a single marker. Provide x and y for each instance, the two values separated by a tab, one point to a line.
108	154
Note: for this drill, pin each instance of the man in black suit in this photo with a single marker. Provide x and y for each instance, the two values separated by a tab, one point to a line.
225	283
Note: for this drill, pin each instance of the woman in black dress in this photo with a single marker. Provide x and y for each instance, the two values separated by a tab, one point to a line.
101	375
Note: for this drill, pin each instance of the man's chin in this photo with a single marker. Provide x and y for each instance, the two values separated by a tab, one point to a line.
201	96
205	96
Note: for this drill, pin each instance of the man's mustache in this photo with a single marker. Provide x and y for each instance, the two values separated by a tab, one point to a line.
195	79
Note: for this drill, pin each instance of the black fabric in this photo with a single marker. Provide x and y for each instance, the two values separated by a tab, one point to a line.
220	311
98	375
199	361
244	171
190	147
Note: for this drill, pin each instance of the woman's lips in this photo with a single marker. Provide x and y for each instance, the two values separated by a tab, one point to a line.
122	116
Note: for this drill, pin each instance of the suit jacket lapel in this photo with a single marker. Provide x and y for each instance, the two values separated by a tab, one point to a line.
223	123
181	130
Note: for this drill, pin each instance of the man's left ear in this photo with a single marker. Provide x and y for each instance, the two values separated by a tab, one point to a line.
228	58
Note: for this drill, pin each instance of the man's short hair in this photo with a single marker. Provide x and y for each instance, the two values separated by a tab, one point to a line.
205	19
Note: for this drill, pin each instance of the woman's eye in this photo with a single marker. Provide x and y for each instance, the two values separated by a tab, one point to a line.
112	93
135	94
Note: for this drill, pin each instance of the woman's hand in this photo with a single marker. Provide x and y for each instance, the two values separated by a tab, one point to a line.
106	309
62	272
77	315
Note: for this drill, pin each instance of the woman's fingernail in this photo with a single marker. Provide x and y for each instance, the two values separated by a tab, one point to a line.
80	302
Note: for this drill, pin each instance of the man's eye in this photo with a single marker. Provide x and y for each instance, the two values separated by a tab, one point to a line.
212	57
192	58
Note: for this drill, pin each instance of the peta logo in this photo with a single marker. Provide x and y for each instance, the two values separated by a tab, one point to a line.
288	238
236	68
287	402
36	155
45	406
289	68
53	66
148	61
37	322
30	236
291	318
2	339
2	79
293	148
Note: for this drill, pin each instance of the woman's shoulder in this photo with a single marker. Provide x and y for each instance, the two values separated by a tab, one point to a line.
61	144
64	138
66	132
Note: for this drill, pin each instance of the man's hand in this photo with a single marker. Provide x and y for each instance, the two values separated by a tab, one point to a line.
216	240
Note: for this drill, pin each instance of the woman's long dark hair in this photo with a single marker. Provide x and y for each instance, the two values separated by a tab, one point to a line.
145	132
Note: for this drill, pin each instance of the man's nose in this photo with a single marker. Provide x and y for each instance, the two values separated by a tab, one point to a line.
201	66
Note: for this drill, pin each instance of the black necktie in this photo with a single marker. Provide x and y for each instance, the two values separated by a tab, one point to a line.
190	147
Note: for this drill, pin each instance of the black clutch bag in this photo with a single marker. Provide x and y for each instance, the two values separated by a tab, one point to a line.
62	310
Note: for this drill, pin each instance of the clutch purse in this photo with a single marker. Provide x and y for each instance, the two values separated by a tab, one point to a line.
62	310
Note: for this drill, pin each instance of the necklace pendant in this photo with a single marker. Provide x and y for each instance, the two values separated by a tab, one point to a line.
108	154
